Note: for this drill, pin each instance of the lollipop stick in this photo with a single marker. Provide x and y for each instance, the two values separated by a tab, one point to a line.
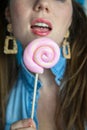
34	95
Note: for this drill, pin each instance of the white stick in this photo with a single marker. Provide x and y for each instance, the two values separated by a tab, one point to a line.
34	95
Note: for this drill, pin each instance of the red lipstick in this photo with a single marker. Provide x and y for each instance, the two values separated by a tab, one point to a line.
41	27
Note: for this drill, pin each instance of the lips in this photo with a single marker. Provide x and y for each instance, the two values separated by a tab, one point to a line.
41	27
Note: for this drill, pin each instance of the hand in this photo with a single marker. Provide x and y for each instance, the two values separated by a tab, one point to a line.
26	124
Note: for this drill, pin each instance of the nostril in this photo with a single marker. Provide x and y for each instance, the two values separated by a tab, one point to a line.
47	9
41	6
38	8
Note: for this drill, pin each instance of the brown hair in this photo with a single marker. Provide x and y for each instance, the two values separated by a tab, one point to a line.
73	94
8	66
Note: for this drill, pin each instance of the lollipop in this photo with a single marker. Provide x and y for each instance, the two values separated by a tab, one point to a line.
40	54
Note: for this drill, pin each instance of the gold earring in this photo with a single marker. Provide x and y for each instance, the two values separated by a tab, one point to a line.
10	46
66	47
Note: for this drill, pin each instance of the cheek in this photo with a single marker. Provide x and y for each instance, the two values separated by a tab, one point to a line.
18	15
68	15
65	14
18	9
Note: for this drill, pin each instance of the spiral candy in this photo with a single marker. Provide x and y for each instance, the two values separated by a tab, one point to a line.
41	53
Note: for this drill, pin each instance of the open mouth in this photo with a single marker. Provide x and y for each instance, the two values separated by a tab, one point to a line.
41	27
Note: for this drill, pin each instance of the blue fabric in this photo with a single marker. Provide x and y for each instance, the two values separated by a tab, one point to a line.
81	1
20	101
20	51
59	68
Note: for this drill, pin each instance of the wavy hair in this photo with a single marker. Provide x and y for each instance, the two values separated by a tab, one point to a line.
73	89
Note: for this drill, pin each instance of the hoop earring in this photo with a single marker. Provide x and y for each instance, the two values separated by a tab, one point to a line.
10	46
66	47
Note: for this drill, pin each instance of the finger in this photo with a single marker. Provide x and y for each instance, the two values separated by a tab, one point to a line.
23	124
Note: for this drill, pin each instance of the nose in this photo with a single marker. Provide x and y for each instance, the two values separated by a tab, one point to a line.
41	5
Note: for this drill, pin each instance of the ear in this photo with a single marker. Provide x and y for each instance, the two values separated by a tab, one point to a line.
7	14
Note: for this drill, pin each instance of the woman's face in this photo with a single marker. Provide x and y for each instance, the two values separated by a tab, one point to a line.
32	19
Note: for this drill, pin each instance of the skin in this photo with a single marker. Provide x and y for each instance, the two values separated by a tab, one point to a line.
20	14
26	124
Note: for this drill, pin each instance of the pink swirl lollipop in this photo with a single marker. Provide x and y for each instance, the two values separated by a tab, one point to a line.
41	53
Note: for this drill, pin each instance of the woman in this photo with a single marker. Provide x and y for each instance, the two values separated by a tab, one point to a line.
63	98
